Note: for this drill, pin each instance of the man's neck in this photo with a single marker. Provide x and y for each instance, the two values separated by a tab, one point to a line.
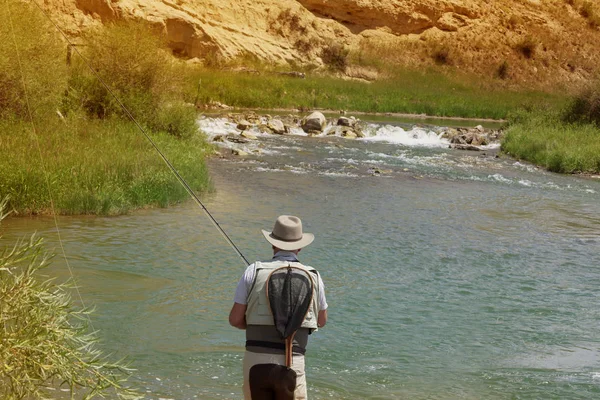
286	255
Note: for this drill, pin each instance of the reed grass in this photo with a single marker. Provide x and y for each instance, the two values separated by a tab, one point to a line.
95	167
45	341
414	92
545	139
63	135
30	54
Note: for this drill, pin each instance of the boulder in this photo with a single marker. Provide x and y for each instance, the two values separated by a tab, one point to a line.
238	152
314	122
243	125
276	126
236	139
358	130
248	135
350	134
344	121
465	147
252	118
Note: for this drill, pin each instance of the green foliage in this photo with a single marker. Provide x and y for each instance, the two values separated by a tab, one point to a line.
544	139
32	57
45	342
585	107
407	91
95	167
93	158
335	56
132	61
176	119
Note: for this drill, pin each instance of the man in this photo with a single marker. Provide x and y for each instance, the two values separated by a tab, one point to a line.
251	311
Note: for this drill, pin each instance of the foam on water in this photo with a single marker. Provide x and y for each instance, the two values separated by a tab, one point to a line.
414	137
287	168
213	127
339	174
385	146
471	277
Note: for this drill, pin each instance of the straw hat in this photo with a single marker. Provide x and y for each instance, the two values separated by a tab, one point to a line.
287	234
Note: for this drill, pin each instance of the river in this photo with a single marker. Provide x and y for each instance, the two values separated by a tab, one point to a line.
449	274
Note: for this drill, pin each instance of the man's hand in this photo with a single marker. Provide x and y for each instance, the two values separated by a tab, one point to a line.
322	318
237	316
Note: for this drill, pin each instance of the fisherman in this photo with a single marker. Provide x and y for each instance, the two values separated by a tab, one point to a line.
251	310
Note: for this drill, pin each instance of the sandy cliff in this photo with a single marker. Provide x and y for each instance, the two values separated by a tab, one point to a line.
522	41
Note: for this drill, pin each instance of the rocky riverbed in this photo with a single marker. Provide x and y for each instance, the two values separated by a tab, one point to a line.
247	127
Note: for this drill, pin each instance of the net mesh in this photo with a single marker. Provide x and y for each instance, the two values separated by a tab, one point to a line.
290	293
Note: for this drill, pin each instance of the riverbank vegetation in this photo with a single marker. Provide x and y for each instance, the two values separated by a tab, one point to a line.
565	141
67	142
427	92
94	166
559	132
45	340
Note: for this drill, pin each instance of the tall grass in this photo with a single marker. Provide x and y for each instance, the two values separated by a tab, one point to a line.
132	60
416	92
45	341
95	167
30	54
78	140
546	140
585	107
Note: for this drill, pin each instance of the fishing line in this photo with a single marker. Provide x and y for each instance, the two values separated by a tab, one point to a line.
39	149
164	158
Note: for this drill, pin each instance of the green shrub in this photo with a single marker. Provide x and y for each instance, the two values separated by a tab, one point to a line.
544	139
95	167
335	56
32	64
585	107
45	340
132	60
177	119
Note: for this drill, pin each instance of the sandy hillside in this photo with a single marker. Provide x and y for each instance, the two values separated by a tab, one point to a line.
532	42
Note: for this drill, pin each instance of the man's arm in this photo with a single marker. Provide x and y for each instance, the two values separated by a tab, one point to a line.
322	318
237	316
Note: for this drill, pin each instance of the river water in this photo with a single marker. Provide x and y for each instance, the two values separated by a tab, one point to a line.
449	274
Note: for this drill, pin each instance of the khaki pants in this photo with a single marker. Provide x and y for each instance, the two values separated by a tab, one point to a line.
251	359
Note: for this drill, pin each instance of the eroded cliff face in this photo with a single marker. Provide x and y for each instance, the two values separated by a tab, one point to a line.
529	41
400	17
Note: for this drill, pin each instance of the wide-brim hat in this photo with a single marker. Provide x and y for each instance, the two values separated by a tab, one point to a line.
287	234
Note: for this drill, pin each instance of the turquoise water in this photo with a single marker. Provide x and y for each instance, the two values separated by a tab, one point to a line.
449	274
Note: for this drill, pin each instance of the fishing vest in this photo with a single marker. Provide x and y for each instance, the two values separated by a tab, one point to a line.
258	311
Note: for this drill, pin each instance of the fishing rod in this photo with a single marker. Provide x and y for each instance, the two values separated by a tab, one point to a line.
181	180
